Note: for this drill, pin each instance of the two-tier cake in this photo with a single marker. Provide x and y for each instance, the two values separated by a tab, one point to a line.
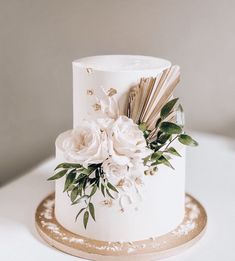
121	169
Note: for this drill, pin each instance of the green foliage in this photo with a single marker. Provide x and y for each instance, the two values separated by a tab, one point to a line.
142	127
173	151
187	140
85	218
58	175
166	132
81	210
170	128
74	193
92	210
167	108
81	184
70	177
112	187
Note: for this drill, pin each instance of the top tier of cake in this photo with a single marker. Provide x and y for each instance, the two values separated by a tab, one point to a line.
93	75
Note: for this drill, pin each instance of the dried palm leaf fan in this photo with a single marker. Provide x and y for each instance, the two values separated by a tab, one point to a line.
150	95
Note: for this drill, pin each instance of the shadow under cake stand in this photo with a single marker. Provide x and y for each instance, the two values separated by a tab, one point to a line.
185	235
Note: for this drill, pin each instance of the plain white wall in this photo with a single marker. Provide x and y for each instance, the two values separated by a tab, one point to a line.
39	40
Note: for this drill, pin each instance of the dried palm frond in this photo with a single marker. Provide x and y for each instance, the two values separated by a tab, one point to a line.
149	96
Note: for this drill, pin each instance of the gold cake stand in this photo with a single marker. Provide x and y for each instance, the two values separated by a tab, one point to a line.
185	235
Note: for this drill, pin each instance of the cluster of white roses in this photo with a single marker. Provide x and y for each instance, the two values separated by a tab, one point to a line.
117	144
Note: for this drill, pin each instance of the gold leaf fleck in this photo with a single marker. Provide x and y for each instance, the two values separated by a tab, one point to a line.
111	92
97	107
90	92
107	202
121	183
89	70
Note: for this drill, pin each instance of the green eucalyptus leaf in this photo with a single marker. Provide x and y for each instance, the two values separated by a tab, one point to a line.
85	184
167	157
102	189
68	165
159	133
173	151
92	210
163	160
93	191
71	187
81	210
80	190
111	196
158	122
58	175
168	164
85	218
154	163
167	108
143	127
62	165
156	155
81	199
86	171
69	179
75	165
97	173
146	133
170	128
146	159
112	187
163	138
80	177
187	140
74	194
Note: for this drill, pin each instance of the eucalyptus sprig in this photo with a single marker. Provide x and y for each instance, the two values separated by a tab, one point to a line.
81	184
165	133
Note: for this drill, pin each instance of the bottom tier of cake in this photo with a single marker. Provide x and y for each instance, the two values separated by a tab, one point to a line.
157	209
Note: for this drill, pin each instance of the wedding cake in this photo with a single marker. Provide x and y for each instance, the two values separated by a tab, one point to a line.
120	172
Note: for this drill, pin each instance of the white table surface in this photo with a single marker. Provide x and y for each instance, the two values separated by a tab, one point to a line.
210	178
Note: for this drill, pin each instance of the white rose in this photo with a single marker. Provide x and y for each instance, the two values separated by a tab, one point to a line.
112	169
127	145
88	143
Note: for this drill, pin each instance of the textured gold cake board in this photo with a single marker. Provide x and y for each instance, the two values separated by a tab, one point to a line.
185	235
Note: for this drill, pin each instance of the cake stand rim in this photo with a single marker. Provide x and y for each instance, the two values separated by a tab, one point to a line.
161	254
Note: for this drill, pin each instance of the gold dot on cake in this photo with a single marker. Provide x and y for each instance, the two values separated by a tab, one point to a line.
111	92
121	183
90	92
89	70
96	106
107	202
